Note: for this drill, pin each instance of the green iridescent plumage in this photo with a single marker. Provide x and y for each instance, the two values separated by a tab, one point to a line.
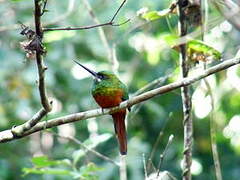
108	85
108	91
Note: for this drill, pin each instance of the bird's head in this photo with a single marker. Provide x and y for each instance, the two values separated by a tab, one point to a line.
100	76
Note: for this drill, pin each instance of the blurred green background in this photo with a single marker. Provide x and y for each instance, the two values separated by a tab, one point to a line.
143	56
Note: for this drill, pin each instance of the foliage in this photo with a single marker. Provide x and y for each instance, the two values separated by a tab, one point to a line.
200	51
144	55
42	165
154	15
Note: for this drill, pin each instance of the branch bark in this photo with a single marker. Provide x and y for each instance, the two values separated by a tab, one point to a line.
186	97
8	136
40	65
18	132
38	48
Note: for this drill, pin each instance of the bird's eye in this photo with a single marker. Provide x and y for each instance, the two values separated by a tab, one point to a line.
101	76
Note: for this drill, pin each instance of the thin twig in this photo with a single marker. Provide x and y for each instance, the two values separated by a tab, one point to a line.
110	50
212	124
157	82
39	59
8	136
154	149
153	84
54	21
144	166
216	160
29	124
118	10
110	23
205	18
160	134
170	139
186	97
86	147
44	7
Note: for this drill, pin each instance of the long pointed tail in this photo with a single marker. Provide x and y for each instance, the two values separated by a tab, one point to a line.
120	130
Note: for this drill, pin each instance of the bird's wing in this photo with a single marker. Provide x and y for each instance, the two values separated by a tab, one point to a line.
125	95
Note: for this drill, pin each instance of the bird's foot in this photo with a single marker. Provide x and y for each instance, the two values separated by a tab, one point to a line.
14	132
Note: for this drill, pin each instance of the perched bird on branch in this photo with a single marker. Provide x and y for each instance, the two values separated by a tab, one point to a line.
108	91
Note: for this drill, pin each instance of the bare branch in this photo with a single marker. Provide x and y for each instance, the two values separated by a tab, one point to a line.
216	160
110	23
110	50
170	139
29	124
160	134
153	84
44	7
212	127
8	136
118	10
86	147
41	67
144	166
54	21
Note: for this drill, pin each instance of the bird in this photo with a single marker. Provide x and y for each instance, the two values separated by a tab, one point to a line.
108	91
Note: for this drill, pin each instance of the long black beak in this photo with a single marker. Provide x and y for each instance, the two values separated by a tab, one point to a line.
90	71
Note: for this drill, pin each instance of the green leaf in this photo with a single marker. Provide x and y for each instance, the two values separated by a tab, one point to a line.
170	39
199	47
150	16
91	167
154	15
52	171
199	51
90	170
43	161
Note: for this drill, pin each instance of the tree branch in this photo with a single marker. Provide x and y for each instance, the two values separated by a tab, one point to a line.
170	139
212	123
18	132
109	49
39	51
186	97
213	132
110	23
86	147
8	136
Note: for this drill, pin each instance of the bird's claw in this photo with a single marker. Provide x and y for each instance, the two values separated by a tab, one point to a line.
13	131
